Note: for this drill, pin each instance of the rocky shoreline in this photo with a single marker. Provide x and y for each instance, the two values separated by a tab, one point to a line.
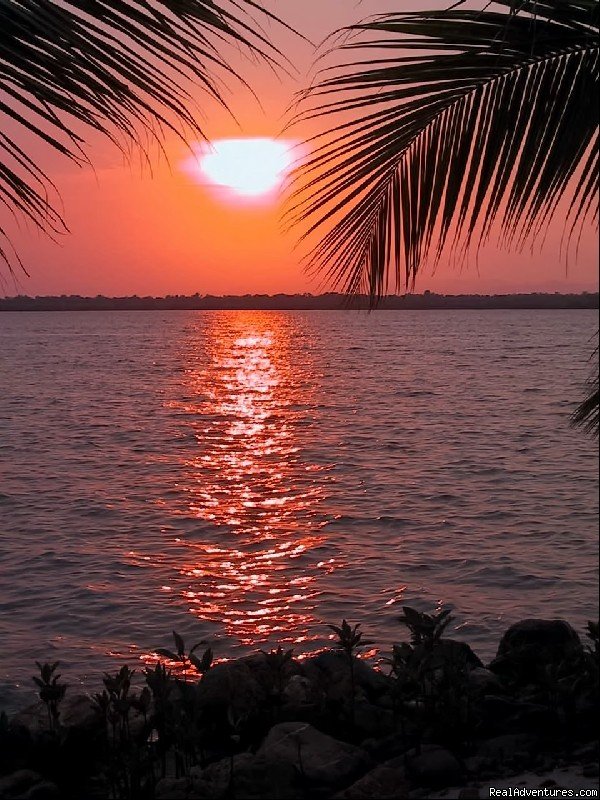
436	722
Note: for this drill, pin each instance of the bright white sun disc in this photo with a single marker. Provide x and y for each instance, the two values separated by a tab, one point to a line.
247	167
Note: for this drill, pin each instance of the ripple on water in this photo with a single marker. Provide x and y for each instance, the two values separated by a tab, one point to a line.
248	477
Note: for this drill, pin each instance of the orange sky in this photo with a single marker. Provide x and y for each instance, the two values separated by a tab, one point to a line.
136	231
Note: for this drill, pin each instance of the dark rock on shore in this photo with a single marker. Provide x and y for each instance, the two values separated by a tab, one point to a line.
452	652
25	784
330	671
385	782
234	685
504	714
320	759
504	748
18	782
246	775
433	766
532	644
75	712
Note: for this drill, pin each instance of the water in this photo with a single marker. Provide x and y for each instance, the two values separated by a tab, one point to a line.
244	477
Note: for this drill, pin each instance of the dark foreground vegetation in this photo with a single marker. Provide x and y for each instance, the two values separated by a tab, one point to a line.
329	301
329	725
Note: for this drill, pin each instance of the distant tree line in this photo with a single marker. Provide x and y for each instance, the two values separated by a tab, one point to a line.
297	302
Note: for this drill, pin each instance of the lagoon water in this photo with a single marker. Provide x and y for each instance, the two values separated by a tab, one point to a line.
245	477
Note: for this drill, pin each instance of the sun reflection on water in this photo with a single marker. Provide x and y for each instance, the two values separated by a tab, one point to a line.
253	574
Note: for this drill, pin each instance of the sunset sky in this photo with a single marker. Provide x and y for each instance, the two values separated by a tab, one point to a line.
136	230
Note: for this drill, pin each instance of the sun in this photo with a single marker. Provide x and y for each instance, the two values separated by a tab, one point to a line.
250	169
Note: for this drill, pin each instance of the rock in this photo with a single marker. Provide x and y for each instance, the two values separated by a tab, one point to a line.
475	765
552	635
433	766
386	701
321	759
371	680
300	693
253	778
266	675
215	780
586	709
371	720
34	717
590	771
19	782
172	789
505	748
469	793
232	684
484	681
331	670
588	752
533	643
43	791
450	652
383	783
75	712
499	714
389	747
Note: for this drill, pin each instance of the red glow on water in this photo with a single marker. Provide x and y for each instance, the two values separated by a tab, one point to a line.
255	581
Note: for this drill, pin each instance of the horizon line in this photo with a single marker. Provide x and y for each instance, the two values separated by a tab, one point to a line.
308	295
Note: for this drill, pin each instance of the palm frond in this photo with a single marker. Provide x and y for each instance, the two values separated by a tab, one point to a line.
445	123
121	68
586	414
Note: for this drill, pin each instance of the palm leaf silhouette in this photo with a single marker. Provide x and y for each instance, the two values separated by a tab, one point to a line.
586	414
120	68
453	120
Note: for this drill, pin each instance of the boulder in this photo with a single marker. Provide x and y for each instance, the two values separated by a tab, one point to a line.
587	752
392	746
476	765
75	712
320	759
266	675
19	782
172	789
383	782
484	681
372	681
300	694
371	720
249	776
232	685
450	652
532	644
433	766
590	771
45	790
331	670
500	715
504	748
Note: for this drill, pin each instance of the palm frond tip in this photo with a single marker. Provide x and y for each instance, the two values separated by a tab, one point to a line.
587	413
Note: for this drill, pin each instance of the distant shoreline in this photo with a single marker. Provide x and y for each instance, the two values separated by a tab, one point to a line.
302	302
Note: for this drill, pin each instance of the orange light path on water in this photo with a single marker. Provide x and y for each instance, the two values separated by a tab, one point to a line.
254	576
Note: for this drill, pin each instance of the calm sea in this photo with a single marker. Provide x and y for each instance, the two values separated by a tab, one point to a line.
246	477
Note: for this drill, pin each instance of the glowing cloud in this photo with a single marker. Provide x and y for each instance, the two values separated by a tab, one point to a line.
243	168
